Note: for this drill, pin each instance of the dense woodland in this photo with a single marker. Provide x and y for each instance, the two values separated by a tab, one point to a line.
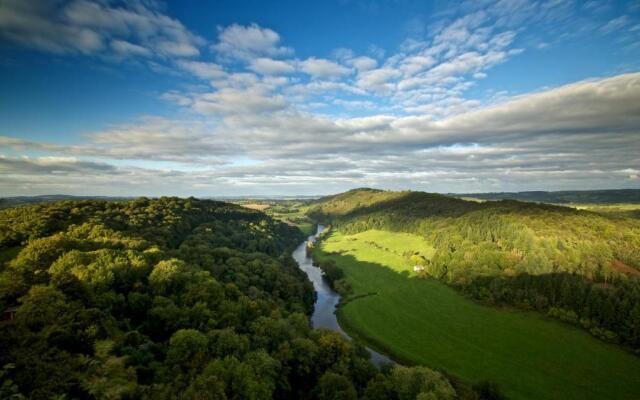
579	266
174	299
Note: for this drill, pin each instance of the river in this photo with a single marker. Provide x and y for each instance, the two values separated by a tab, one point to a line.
324	312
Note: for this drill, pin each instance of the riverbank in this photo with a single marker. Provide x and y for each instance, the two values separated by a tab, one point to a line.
425	322
327	300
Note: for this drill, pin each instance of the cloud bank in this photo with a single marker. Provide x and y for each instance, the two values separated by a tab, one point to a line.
260	120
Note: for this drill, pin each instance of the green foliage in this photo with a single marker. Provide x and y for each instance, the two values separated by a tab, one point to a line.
108	376
334	276
609	312
333	386
292	212
162	299
493	238
8	389
168	276
409	383
490	249
421	383
488	391
187	347
425	322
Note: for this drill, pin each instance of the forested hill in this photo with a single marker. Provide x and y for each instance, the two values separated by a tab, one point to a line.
172	299
506	236
564	197
345	206
580	265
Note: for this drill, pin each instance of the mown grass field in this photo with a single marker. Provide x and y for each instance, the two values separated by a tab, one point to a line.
423	321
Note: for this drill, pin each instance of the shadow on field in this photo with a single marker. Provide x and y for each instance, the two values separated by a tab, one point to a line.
386	279
421	320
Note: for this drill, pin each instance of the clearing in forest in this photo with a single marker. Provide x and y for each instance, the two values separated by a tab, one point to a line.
256	206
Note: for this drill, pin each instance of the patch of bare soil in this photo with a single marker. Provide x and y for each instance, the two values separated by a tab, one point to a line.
624	268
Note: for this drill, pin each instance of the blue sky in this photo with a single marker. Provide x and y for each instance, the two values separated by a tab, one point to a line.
299	97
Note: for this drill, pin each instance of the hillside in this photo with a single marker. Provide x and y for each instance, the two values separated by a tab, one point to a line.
564	197
578	265
367	201
520	237
173	299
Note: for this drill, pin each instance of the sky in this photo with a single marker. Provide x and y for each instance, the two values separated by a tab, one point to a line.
233	98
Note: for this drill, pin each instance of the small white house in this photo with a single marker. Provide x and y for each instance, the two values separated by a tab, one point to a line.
418	268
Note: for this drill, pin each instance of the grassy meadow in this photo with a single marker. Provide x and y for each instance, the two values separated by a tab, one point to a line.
291	212
423	321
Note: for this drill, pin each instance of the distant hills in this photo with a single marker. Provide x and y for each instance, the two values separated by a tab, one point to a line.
6	202
13	201
563	197
559	197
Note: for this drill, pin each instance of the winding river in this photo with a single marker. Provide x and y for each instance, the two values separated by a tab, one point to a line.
324	312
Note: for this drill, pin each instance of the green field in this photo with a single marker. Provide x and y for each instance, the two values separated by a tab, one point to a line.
292	212
424	321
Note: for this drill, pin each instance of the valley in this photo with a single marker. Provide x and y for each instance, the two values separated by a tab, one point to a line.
404	294
319	200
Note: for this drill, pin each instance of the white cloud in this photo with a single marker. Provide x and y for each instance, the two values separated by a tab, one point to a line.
268	66
362	63
176	97
34	24
466	63
50	165
202	70
323	68
615	24
377	80
238	101
275	81
320	87
246	42
125	49
84	26
586	119
176	49
255	104
414	64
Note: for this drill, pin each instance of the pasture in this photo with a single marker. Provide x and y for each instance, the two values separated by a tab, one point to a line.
423	321
255	206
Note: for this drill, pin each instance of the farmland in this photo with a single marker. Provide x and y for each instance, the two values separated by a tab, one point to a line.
423	321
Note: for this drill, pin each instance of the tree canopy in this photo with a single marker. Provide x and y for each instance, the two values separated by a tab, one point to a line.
170	298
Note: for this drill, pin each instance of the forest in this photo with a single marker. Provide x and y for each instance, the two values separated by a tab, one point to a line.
175	299
565	196
578	266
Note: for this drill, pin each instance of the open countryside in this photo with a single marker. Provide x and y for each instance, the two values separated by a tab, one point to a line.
422	321
319	200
